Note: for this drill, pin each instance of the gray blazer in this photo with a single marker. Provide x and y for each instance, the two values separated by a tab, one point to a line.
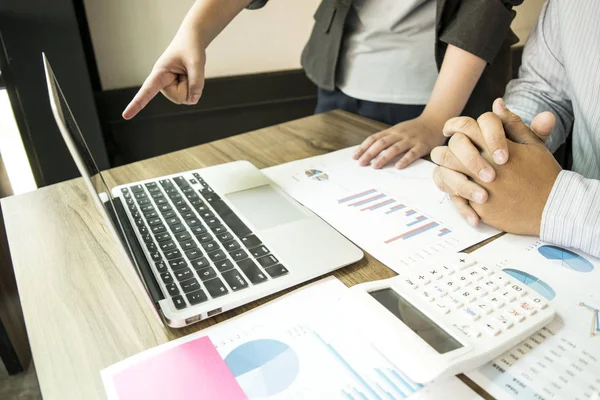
481	27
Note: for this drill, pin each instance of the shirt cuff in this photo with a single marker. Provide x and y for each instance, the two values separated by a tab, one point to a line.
480	27
256	4
571	217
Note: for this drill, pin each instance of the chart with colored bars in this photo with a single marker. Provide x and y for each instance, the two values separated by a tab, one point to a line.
373	200
595	319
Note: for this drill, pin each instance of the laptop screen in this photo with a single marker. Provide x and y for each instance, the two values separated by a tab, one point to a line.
87	165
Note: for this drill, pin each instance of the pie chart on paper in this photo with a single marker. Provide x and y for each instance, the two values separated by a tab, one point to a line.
533	282
263	367
567	258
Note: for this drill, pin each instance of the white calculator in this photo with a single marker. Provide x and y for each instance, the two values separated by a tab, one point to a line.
448	317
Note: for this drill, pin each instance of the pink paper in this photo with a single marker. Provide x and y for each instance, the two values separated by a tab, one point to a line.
193	370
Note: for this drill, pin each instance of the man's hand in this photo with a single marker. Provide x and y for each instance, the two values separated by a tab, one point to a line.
178	74
415	137
510	197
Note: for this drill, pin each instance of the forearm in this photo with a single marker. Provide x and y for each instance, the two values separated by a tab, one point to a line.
207	18
572	214
458	76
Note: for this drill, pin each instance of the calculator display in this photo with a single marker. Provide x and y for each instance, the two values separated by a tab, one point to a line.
430	332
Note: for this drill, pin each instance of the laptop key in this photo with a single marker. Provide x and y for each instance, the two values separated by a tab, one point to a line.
225	237
143	202
179	202
188	245
179	180
172	289
183	236
206	190
238	255
150	214
210	246
192	222
251	241
151	184
200	263
179	302
171	190
251	270
164	207
136	188
187	189
196	297
154	189
231	246
198	230
218	229
201	207
141	195
215	287
190	285
157	195
196	201
207	215
267	261
183	274
147	238
224	265
151	246
154	221
169	214
171	255
155	256
168	245
165	182
212	222
143	230
276	271
259	251
177	263
192	196
217	255
206	273
136	214
147	208
166	277
176	196
161	201
173	221
156	229
187	214
205	237
177	228
139	222
161	266
124	191
193	254
163	237
235	280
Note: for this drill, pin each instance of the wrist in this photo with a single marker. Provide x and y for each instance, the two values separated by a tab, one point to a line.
433	122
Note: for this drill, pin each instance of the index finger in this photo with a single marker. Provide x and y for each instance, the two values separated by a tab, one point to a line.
154	83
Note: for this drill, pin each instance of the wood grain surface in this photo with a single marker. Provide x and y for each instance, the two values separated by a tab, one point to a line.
83	305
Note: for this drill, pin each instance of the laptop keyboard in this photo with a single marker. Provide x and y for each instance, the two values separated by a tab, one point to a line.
199	247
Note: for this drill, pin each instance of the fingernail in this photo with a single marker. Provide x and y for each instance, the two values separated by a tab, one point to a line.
472	220
502	104
479	197
195	98
500	156
486	175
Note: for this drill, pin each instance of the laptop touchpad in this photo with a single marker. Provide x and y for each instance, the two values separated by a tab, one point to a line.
264	207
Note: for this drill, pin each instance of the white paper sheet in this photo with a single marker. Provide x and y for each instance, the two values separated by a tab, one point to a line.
304	346
562	361
399	216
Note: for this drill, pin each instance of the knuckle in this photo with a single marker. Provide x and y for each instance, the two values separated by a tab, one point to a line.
465	123
487	117
383	142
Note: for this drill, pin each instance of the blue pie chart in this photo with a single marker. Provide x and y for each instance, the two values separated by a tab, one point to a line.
567	258
533	282
263	367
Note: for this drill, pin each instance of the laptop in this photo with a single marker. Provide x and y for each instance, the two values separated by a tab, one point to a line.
209	240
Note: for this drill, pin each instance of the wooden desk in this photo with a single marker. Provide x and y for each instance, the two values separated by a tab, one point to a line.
83	308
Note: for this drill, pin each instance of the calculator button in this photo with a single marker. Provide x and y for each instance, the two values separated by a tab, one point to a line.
466	296
519	290
484	270
447	269
435	274
439	291
490	285
496	301
479	290
427	295
503	320
421	279
470	313
442	306
475	274
470	331
490	327
461	261
501	279
454	302
526	305
539	302
483	307
515	314
410	283
451	285
508	295
464	279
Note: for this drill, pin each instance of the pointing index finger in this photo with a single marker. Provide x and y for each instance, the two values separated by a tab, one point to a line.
154	83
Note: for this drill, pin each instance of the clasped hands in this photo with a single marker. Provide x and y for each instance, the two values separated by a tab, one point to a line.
498	170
